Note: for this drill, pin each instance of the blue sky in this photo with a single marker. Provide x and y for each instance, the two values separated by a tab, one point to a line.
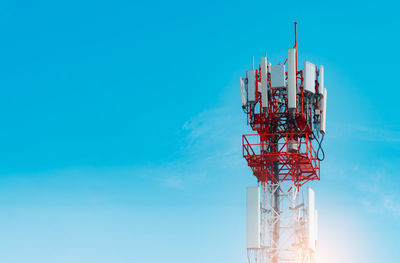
120	127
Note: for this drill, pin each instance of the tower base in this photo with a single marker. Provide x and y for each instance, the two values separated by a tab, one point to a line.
284	233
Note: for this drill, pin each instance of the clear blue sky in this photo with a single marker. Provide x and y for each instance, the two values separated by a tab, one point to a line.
120	127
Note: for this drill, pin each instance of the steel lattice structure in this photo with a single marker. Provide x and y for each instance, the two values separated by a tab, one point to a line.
287	110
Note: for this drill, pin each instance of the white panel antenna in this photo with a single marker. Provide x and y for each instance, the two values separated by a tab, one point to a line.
292	82
251	85
321	79
310	219
316	226
323	108
309	77
264	82
253	217
278	76
242	92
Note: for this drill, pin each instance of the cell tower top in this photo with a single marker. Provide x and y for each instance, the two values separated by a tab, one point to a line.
287	110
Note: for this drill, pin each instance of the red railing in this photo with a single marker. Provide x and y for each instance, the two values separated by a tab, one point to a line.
294	153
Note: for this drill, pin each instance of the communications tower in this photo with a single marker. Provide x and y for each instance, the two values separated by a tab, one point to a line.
286	108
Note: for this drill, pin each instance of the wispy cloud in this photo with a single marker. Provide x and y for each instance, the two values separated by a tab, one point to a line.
378	132
215	134
173	181
382	203
376	186
212	143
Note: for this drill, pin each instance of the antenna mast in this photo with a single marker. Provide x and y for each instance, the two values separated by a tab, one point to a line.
286	108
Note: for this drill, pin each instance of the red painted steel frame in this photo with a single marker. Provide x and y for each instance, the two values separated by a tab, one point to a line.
276	134
300	166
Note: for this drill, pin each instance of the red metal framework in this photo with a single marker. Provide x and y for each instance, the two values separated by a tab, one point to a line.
282	149
297	159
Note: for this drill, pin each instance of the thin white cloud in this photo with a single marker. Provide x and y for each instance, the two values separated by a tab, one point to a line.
174	182
378	191
377	132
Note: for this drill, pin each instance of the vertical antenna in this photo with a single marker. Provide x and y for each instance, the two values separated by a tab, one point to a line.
253	62
295	42
295	34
